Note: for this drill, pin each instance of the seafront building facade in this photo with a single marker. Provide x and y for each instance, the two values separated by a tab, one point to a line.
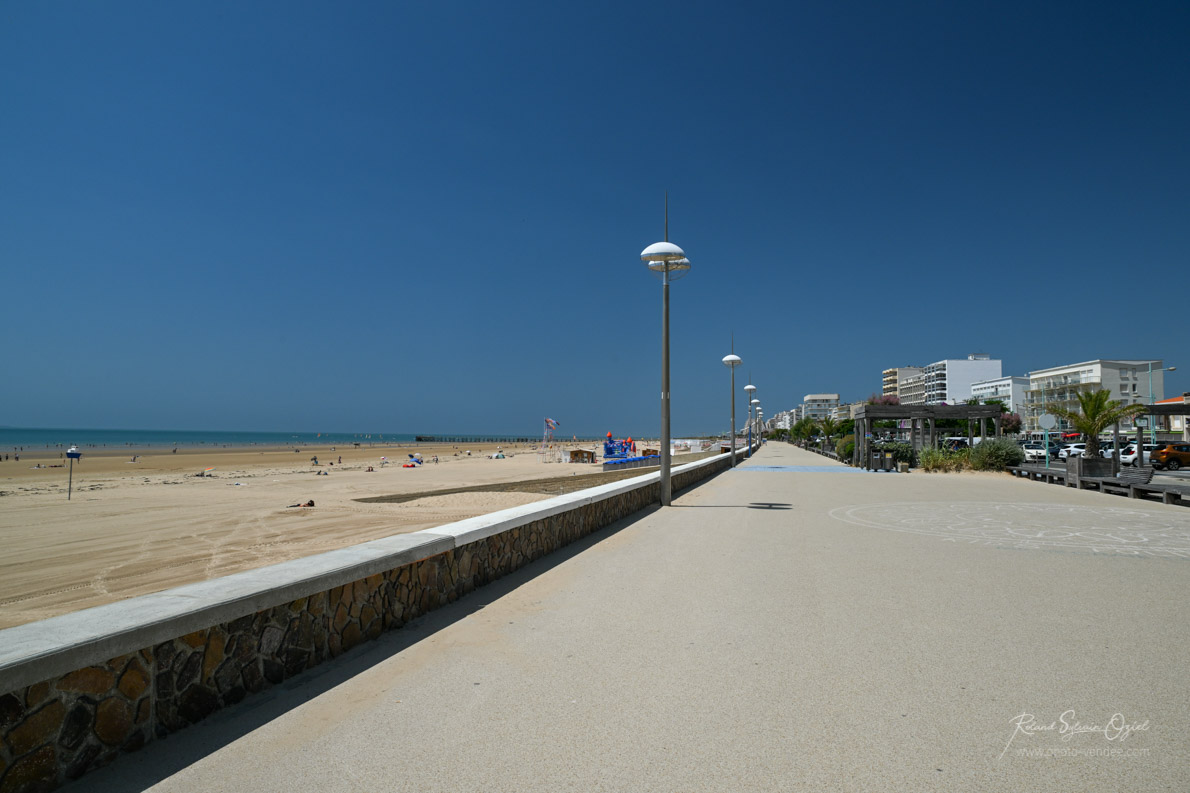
1010	390
978	377
912	390
949	381
819	406
893	378
1059	386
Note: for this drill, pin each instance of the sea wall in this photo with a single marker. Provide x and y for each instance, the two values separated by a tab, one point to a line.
79	690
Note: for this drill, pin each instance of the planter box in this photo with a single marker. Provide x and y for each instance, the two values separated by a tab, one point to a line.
1085	467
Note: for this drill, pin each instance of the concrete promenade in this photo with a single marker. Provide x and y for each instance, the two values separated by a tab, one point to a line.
791	625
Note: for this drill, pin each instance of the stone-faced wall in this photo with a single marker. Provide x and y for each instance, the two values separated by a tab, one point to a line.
58	729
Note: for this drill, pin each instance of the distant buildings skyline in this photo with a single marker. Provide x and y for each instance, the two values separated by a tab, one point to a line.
981	377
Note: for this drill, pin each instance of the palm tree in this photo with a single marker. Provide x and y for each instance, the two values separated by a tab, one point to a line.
803	429
1098	411
828	426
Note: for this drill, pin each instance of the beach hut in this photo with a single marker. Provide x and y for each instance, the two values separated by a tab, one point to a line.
582	456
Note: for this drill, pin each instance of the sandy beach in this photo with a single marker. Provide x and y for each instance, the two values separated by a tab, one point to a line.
131	528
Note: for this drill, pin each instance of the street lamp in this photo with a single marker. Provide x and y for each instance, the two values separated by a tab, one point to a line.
731	362
1153	430
756	404
671	263
750	388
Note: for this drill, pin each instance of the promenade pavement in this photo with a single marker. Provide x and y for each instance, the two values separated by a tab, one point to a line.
791	625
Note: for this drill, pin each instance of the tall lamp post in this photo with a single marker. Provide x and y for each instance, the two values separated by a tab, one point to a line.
671	263
1153	429
750	388
756	404
731	362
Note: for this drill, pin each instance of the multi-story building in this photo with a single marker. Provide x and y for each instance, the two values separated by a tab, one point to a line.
782	421
893	378
949	381
819	406
1010	390
1059	386
845	412
912	390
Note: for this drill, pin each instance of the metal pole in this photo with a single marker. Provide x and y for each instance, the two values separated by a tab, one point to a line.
1153	425
70	481
1140	446
732	416
1047	432
665	489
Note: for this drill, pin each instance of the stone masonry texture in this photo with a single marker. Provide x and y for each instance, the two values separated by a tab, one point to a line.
57	730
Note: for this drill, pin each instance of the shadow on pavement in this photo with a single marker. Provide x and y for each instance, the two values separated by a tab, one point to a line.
166	756
753	505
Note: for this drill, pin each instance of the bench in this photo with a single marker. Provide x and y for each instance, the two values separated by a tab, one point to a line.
1122	484
1039	474
1170	494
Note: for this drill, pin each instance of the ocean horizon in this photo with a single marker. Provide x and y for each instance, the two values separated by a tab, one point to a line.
52	438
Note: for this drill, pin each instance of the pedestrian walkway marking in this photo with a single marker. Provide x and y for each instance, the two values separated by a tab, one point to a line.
803	469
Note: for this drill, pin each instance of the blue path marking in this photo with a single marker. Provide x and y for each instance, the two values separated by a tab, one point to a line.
804	469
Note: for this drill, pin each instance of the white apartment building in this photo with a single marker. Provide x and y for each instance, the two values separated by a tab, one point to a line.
893	378
782	421
819	406
949	381
912	390
1059	386
1010	390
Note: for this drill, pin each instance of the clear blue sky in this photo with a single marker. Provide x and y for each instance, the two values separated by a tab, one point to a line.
427	217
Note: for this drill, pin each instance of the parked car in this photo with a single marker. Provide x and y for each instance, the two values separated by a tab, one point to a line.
1128	456
1108	448
1036	451
1171	455
1072	450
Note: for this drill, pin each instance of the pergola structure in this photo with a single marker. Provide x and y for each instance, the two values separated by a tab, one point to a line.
1151	411
1171	409
923	424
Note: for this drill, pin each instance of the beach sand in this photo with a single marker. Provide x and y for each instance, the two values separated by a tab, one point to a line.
135	528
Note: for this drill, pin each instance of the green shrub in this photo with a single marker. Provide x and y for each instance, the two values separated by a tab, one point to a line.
902	452
995	454
935	460
845	447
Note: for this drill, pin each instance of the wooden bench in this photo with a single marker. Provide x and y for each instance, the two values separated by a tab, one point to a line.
1038	474
1170	494
1122	484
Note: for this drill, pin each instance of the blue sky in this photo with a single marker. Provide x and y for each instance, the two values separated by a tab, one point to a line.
427	217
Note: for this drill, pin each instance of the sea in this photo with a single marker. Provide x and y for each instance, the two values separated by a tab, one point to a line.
41	438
